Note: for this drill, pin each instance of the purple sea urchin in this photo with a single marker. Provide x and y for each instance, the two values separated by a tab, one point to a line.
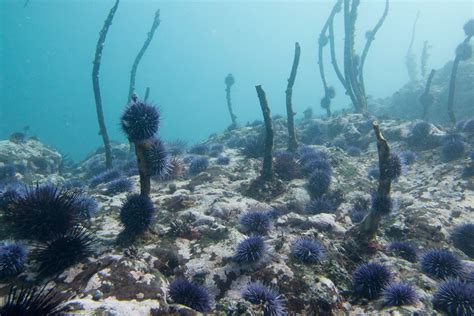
136	214
317	164
199	149
255	222
156	158
140	121
32	301
12	259
395	167
399	294
454	297
63	251
118	186
307	250
104	177
88	205
370	279
253	147
463	238
258	294
250	250
420	135
441	264
453	148
198	164
7	172
318	183
223	159
320	205
403	250
308	154
43	212
285	165
189	294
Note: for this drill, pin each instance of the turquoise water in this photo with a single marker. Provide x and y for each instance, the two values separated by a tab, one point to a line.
47	48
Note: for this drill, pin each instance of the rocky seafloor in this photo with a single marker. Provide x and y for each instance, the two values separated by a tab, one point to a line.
196	228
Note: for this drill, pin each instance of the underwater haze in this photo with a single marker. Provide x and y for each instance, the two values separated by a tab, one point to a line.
47	48
234	158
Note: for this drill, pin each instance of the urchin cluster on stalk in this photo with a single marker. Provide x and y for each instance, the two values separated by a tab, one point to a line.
140	122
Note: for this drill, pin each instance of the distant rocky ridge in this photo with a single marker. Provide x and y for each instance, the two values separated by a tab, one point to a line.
405	102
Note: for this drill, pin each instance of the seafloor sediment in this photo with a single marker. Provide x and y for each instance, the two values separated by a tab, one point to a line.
196	227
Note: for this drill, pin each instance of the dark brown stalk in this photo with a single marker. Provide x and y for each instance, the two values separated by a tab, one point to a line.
267	169
370	39
292	143
147	94
424	58
154	26
145	178
350	68
96	87
323	41
359	238
332	44
410	58
229	82
426	99
452	88
320	60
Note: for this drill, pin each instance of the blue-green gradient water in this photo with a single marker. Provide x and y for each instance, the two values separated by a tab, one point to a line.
47	48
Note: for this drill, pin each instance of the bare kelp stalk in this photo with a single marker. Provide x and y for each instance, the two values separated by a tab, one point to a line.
427	98
358	239
352	78
229	82
292	143
96	87
424	58
410	60
266	186
323	41
133	74
147	94
370	36
267	169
